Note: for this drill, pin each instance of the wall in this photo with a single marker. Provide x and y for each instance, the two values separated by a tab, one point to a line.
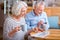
51	11
1	1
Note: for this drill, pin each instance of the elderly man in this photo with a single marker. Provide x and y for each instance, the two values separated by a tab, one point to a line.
37	18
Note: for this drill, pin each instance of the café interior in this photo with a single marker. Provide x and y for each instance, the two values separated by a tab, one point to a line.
52	10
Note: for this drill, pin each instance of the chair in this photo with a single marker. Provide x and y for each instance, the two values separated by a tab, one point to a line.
53	21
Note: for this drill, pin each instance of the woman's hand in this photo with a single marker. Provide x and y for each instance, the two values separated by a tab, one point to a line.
16	29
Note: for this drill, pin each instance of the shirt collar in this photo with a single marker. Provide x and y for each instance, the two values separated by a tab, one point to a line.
34	13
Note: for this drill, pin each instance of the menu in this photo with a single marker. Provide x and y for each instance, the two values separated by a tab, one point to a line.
41	34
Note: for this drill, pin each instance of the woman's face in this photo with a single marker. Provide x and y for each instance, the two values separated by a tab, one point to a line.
23	11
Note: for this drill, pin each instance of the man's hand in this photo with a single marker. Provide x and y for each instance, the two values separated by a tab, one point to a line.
37	29
40	23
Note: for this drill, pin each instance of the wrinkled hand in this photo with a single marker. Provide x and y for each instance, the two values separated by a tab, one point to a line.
40	23
18	28
37	29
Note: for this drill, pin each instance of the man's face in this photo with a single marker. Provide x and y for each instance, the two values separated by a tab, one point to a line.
39	9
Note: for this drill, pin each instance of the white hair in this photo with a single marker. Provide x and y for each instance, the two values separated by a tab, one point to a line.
16	8
37	3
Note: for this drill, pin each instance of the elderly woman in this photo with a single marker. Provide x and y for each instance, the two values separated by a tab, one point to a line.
14	25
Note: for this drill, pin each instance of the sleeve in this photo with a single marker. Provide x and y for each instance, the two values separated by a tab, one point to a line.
46	20
28	23
7	29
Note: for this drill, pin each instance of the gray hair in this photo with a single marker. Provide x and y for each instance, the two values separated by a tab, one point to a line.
39	3
16	8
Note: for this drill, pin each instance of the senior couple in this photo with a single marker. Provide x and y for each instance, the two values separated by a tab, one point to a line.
13	24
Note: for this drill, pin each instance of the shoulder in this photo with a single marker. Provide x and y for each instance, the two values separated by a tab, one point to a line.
8	20
8	23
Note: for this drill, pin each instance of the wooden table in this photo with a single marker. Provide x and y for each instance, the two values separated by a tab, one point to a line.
54	35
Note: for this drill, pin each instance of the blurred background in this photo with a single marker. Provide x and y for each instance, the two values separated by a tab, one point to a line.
52	9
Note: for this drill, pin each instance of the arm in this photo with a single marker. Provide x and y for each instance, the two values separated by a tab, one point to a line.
16	29
28	23
43	23
29	27
8	30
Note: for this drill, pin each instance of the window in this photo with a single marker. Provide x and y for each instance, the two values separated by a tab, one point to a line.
8	4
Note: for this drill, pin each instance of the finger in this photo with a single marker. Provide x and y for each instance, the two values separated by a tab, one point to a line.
16	27
33	29
19	29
